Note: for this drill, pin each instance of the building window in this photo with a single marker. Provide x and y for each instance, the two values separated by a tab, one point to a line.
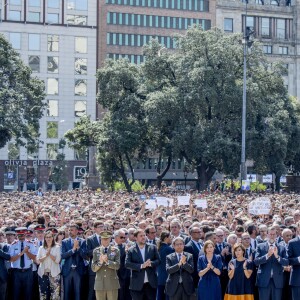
34	63
15	40
80	108
52	109
228	24
280	28
77	20
285	70
33	16
80	154
15	2
52	86
51	151
34	42
265	27
52	130
52	66
267	49
53	43
78	4
53	3
80	66
80	87
250	22
80	44
283	50
14	15
52	18
35	3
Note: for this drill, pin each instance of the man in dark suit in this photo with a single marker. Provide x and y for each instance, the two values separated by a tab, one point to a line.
72	263
123	272
151	235
92	243
4	256
180	267
294	260
222	248
270	259
142	259
193	247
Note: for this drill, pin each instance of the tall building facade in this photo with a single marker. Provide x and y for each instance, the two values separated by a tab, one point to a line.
58	41
275	24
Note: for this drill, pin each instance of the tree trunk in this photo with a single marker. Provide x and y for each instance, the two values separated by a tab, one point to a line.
277	182
205	173
160	176
126	182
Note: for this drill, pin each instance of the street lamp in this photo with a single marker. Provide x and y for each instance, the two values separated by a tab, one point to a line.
247	44
185	172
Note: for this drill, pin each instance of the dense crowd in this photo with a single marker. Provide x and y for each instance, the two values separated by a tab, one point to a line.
110	245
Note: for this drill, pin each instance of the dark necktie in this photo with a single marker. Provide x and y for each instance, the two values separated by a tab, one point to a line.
22	259
220	248
41	243
105	250
180	277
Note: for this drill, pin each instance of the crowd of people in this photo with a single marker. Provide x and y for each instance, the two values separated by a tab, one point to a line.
87	244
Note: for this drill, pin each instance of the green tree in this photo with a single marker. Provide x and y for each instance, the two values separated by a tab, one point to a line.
21	98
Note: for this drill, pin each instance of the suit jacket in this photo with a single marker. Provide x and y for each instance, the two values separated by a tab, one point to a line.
4	256
70	258
106	274
123	272
226	258
175	271
294	253
91	244
162	274
134	260
266	265
191	248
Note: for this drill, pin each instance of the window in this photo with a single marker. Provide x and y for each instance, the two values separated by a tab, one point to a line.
35	3
53	3
77	20
52	130
80	66
14	15
78	4
265	26
15	2
80	87
33	41
267	49
250	22
280	29
80	108
13	151
34	63
52	66
15	40
285	70
52	109
283	50
81	44
80	154
33	16
228	24
52	86
53	43
52	18
51	151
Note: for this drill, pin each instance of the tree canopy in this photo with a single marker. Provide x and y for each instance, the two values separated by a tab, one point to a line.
21	98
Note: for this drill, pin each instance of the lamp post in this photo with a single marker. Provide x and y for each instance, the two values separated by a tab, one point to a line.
246	44
185	172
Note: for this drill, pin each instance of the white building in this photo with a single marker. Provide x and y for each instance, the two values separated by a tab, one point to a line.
58	40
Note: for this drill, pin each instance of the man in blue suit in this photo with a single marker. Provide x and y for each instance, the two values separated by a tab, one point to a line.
72	263
294	260
270	259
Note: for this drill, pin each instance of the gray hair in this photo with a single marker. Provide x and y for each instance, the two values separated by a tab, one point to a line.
179	238
117	232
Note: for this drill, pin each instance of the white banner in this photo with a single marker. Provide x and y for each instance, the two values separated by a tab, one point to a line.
201	203
183	200
260	206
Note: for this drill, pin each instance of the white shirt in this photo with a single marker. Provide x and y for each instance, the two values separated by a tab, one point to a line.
143	256
48	263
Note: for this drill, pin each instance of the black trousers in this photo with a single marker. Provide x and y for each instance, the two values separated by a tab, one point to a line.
22	284
147	293
295	292
124	292
270	292
91	294
180	294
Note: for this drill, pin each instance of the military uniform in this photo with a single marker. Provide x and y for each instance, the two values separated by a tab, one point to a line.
22	275
107	281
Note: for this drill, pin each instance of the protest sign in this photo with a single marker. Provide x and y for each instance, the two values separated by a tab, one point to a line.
260	206
164	201
150	204
201	203
183	200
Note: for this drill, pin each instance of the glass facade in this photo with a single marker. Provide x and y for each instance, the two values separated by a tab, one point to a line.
135	59
192	5
156	21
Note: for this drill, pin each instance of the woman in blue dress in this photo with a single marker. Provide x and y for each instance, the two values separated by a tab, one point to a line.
209	268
